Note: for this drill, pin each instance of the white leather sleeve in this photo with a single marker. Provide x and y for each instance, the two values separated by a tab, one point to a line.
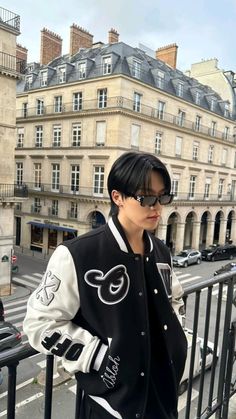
50	309
177	300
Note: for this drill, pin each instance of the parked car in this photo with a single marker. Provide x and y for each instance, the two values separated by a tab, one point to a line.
187	257
227	251
198	359
229	267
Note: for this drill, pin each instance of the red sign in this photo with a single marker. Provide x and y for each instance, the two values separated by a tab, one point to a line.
14	258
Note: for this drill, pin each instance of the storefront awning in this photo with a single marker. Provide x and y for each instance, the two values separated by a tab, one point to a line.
52	227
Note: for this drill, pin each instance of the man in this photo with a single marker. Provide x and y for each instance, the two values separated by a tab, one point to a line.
110	305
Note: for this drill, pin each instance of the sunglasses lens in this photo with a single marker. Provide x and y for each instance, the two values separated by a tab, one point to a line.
165	199
149	200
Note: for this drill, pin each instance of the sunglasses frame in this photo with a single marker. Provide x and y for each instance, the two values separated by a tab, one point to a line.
141	199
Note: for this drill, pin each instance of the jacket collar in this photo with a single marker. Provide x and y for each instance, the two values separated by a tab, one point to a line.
121	239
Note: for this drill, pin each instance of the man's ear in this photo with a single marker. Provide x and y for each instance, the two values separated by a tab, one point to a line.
117	198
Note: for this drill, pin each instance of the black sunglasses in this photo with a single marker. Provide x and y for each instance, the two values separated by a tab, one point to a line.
151	200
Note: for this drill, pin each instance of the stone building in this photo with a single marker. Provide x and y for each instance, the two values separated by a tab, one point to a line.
10	67
76	113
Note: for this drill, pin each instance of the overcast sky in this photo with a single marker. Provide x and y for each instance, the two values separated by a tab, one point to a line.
202	30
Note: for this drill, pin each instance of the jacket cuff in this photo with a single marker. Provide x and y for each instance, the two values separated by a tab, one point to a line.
99	356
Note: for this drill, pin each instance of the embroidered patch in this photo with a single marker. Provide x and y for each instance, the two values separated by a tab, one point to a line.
46	290
112	286
61	345
166	276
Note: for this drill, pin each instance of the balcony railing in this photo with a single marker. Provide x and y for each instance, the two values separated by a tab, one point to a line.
118	103
9	18
218	384
11	191
12	63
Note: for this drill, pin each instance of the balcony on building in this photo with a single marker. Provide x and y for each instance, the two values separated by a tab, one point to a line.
9	192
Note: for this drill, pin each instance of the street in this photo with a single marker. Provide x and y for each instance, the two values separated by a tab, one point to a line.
30	397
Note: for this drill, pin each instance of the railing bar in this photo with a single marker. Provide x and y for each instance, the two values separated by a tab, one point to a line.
11	397
203	365
228	311
193	351
229	369
78	400
48	387
215	355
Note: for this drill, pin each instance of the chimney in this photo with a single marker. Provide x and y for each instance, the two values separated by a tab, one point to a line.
113	36
21	58
51	46
168	54
79	38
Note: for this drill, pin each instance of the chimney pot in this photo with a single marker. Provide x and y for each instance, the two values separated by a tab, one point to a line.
51	46
21	58
168	54
79	38
113	36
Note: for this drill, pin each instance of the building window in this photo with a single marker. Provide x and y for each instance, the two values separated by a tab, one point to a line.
207	187
197	98
226	133
57	104
195	150
160	109
213	105
98	180
178	146
106	65
220	188
192	186
135	134
19	173
210	153
39	136
100	133
82	70
158	142
136	69
180	89
181	118
160	79
56	136
198	123
61	74
37	205
175	184
43	78
73	210
76	134
55	177
29	81
39	107
102	98
213	129
20	137
77	101
224	156
74	184
137	102
37	175
226	111
24	109
54	208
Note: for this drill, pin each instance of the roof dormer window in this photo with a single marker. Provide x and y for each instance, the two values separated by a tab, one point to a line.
61	74
213	105
43	78
29	80
136	69
82	70
106	65
160	79
180	89
197	97
226	111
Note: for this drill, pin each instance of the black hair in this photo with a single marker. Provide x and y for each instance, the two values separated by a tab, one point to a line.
131	172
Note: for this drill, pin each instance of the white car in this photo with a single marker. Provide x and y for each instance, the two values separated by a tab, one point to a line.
187	257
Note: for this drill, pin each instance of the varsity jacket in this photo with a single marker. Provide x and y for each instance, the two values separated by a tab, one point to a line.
91	310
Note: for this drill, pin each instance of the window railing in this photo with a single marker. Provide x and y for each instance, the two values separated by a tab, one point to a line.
217	346
12	63
9	18
120	102
11	191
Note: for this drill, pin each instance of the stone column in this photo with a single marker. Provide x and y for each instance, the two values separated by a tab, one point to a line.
161	232
233	231
210	232
179	242
196	234
223	224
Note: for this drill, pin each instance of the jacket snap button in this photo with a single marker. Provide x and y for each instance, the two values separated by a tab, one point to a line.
140	293
143	333
138	415
155	291
147	259
142	374
165	327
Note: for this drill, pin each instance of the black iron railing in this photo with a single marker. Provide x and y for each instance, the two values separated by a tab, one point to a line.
9	18
118	103
217	326
11	191
11	63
